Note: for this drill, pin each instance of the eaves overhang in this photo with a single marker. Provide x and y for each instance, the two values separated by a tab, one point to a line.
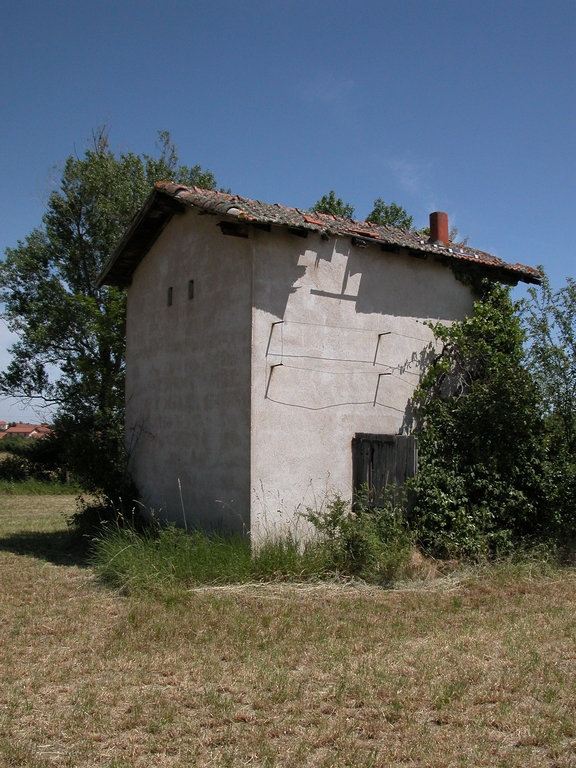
142	233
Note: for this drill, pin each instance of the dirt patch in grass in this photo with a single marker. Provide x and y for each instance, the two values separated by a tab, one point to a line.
471	670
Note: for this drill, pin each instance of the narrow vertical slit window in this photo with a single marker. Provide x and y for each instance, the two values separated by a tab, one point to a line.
190	289
169	297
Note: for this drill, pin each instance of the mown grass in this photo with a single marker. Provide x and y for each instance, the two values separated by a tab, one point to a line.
27	514
36	526
474	669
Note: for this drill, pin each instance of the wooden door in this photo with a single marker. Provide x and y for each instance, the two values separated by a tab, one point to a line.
382	462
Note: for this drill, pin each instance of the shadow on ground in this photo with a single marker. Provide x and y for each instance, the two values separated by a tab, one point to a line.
58	547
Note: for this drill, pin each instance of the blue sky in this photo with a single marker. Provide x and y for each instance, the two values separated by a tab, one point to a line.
463	106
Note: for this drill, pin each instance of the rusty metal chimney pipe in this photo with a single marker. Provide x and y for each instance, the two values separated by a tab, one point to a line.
439	232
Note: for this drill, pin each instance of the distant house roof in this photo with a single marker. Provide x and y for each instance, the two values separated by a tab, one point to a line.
169	198
42	429
22	428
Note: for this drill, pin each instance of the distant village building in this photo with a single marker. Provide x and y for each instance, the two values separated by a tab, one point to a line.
272	352
24	430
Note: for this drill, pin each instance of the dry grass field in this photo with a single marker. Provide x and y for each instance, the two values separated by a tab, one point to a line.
474	670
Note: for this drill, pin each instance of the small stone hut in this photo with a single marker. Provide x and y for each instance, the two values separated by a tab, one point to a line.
272	352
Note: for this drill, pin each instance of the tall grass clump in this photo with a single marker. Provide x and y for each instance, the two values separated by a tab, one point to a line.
350	541
287	558
161	558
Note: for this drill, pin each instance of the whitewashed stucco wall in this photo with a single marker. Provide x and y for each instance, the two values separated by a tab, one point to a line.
345	358
250	393
188	375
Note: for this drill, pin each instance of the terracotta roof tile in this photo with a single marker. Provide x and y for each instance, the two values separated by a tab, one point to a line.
169	197
254	210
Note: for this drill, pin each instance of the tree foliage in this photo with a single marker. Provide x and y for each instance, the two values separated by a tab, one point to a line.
393	215
550	322
452	235
69	355
483	477
333	205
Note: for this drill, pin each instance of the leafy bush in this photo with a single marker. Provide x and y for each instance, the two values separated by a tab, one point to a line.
36	460
45	452
11	444
96	515
15	469
483	484
93	451
372	543
549	318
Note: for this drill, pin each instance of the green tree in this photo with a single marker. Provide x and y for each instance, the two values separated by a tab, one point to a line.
482	484
334	206
393	215
550	322
71	336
